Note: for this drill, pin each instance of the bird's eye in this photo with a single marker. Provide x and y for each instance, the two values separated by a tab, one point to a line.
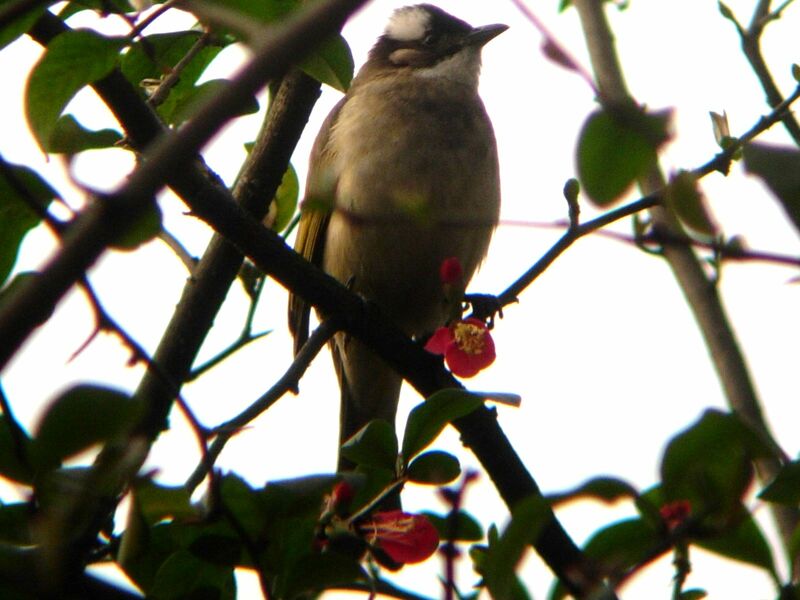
429	40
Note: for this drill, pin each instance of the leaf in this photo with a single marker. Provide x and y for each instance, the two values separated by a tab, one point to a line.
785	488
156	55
435	467
779	168
19	187
614	149
427	420
684	197
622	545
467	528
374	445
693	594
21	24
722	131
70	137
146	227
332	63
606	489
710	465
80	417
157	502
184	103
285	200
745	543
16	523
72	60
317	572
183	575
12	466
528	518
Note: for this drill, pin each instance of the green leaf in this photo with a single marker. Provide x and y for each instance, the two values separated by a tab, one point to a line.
158	502
184	103
13	466
21	24
684	197
745	543
19	188
331	63
467	528
147	227
427	420
726	12
785	488
375	445
72	60
528	518
16	523
435	467
81	417
622	545
317	572
796	72
710	465
70	137
606	489
779	168
102	6
614	149
693	594
285	200
183	575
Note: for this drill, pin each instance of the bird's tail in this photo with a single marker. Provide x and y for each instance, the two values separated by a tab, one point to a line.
370	388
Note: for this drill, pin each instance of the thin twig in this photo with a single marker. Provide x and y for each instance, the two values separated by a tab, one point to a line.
288	382
171	80
180	251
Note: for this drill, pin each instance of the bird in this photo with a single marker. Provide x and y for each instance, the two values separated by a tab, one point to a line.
403	176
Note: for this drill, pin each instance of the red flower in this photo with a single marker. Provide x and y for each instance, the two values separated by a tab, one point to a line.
451	272
675	513
467	346
404	537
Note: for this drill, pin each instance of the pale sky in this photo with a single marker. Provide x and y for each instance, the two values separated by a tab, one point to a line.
602	348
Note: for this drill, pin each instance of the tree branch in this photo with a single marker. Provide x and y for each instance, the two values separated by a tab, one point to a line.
700	293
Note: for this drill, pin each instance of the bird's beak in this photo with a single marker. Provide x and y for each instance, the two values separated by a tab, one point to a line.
481	36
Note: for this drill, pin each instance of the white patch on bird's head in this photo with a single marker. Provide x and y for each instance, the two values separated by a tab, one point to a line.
408	24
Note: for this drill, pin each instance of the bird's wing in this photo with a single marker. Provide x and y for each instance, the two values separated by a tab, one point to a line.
316	209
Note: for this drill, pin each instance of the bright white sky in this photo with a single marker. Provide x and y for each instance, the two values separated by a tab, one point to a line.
602	348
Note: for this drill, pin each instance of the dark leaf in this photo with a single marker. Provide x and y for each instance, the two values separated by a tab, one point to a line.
20	25
785	488
142	231
331	63
499	569
184	102
13	459
19	188
72	60
467	528
744	542
183	575
317	572
223	550
435	467
693	594
16	522
607	489
622	545
158	502
70	137
285	201
710	465
685	198
614	149
779	168
427	420
375	445
80	417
